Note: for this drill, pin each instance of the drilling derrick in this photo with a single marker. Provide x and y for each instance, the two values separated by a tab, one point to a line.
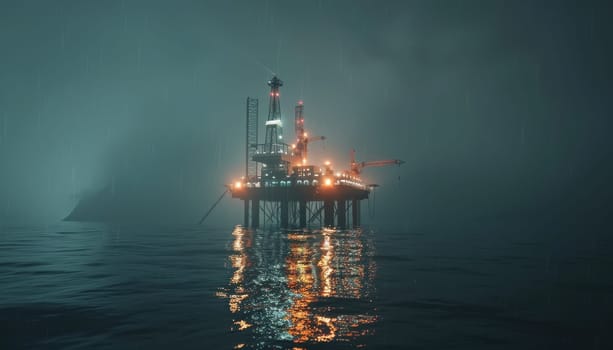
273	123
274	154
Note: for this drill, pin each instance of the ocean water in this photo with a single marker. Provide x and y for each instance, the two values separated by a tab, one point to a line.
101	286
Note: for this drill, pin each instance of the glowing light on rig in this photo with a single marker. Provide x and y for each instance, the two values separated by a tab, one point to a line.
273	122
303	161
328	182
238	185
327	163
293	145
306	134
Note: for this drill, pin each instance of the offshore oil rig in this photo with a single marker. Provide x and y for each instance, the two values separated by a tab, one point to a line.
283	189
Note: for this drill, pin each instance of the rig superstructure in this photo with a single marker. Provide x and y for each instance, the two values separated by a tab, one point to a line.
283	189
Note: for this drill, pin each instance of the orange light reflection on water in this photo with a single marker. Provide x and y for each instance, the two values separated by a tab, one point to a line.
319	271
239	261
321	268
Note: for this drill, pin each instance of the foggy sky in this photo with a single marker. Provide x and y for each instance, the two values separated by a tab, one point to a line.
501	109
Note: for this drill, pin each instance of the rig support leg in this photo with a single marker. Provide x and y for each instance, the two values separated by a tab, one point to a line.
246	214
328	213
284	213
303	211
355	212
255	213
341	214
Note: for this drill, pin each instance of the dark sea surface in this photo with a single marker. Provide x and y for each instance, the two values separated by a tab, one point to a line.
98	286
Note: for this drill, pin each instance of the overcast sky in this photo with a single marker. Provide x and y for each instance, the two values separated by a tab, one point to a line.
501	109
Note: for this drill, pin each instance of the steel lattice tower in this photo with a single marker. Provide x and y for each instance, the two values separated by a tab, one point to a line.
251	142
273	123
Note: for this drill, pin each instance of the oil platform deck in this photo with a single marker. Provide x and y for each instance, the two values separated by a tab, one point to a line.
301	206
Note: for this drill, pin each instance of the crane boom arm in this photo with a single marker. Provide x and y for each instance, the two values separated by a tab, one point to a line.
377	163
315	138
356	167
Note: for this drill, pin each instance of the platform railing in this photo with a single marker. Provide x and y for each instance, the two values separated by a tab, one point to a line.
272	149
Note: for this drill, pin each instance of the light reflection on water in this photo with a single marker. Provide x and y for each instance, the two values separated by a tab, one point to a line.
301	287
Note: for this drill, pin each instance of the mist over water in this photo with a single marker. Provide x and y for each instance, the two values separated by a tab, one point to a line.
499	109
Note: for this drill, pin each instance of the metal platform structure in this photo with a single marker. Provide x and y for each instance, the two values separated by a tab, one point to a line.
280	188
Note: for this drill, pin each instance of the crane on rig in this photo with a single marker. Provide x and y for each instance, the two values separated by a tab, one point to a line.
300	148
357	167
